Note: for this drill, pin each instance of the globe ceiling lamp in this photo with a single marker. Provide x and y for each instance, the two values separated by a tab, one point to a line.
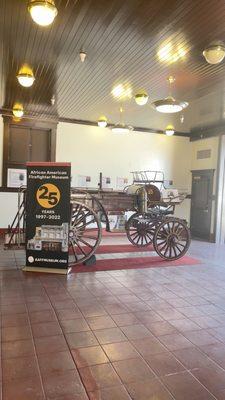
121	127
169	105
102	122
214	53
141	98
170	130
26	76
43	12
18	110
122	91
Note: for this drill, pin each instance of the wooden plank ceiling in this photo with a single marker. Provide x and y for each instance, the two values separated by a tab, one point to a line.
122	40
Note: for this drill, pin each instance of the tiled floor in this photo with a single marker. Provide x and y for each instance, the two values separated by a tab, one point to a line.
117	335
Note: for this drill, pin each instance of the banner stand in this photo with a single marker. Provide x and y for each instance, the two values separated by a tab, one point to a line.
48	218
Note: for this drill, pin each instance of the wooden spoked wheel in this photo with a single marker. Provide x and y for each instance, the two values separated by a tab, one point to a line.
140	231
85	233
172	239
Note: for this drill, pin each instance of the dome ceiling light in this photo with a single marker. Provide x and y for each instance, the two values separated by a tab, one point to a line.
25	76
102	122
122	92
43	12
121	127
18	110
169	105
214	53
141	98
169	131
172	52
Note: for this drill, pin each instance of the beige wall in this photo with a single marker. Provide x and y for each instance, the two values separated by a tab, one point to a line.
92	150
205	144
203	111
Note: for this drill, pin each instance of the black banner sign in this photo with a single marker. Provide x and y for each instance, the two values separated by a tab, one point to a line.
47	215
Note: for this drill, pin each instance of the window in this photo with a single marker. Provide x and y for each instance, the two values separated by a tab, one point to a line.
26	141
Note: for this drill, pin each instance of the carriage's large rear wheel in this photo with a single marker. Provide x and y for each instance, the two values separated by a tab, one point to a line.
140	231
172	239
84	234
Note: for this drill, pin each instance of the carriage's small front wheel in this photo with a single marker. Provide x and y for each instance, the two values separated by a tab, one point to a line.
140	230
172	239
84	233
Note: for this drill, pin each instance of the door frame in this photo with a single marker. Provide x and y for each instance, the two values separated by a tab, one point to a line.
208	172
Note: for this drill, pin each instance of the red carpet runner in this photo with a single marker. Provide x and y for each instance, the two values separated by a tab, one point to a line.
134	263
122	248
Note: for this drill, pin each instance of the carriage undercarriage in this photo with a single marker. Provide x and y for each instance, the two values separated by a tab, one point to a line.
151	224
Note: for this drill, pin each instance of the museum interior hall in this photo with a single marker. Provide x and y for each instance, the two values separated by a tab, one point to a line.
112	200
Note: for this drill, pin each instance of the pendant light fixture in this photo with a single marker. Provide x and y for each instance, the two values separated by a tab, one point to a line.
214	53
18	110
82	55
170	130
26	76
43	12
121	127
169	105
141	98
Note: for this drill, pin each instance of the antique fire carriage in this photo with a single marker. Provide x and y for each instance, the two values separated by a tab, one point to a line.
151	223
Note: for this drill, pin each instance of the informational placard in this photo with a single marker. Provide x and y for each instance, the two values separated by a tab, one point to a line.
47	215
84	181
16	177
106	182
121	183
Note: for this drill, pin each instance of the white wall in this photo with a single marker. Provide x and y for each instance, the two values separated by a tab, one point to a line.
92	150
1	148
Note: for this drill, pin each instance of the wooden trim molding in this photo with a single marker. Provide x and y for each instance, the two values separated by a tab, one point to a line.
136	128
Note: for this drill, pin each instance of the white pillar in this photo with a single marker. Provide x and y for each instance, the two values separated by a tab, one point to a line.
220	217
